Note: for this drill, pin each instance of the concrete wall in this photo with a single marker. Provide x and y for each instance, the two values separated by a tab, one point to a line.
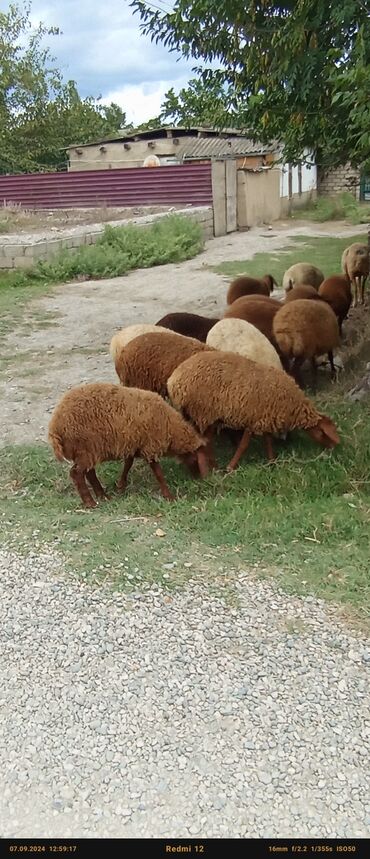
258	197
15	252
345	178
302	192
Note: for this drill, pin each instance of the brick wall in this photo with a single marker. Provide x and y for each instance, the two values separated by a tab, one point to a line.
345	178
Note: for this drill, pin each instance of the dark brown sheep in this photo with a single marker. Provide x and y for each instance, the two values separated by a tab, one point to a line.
336	291
148	361
245	285
188	324
258	310
101	422
225	388
305	329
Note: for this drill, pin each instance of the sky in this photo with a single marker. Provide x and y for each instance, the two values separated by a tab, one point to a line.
103	50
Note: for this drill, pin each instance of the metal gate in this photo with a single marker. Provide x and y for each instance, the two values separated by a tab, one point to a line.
365	188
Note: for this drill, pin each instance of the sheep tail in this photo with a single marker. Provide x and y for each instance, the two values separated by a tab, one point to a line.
57	446
291	344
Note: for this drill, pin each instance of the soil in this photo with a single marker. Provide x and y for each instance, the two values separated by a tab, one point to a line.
16	220
64	337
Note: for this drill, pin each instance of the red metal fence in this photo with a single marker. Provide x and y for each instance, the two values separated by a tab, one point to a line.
187	183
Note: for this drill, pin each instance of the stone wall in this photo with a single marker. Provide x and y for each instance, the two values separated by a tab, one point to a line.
20	251
335	181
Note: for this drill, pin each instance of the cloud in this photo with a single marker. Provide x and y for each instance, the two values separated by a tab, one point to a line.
141	101
104	51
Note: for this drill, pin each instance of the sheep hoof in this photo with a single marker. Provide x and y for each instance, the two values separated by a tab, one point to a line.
90	504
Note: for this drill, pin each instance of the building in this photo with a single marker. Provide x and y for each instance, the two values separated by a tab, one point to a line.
264	186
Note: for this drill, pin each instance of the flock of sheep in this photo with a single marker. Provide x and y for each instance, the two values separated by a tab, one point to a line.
186	377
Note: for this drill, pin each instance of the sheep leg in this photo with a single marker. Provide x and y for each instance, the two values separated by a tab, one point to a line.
363	281
355	295
158	473
79	481
269	448
122	481
209	433
332	365
242	447
96	485
296	370
314	373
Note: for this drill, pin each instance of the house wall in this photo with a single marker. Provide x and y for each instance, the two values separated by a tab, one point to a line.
116	156
293	193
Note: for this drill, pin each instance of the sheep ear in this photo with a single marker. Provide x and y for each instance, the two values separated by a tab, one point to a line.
329	429
274	282
203	464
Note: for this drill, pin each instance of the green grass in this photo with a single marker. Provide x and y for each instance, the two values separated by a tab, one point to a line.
304	519
118	251
340	207
324	252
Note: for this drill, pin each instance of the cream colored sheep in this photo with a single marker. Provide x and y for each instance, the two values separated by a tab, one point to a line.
237	335
356	266
302	273
126	334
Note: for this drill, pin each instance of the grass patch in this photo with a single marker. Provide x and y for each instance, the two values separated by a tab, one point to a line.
304	519
323	251
338	208
118	250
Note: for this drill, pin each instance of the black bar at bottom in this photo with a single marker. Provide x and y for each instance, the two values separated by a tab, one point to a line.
204	848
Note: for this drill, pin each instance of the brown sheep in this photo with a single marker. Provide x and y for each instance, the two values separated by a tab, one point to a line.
147	361
336	291
245	285
305	329
259	311
101	422
188	324
355	265
302	273
303	291
225	388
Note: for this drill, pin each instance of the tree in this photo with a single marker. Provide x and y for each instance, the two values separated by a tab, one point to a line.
200	105
298	70
39	114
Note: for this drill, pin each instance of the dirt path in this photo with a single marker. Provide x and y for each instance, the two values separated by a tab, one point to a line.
64	337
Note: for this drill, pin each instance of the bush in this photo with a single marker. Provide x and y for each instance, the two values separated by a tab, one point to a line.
341	207
121	249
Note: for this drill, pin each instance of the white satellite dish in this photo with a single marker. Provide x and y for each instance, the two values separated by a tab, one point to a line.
152	161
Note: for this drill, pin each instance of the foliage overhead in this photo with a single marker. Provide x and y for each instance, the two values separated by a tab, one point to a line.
39	113
298	70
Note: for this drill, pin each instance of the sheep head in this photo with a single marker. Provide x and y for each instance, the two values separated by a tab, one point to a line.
324	432
196	462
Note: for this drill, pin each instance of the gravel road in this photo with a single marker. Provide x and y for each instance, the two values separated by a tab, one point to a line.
156	715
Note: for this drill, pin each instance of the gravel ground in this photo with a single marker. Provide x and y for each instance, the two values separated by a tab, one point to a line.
177	715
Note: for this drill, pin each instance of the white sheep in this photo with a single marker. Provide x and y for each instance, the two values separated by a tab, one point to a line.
237	335
124	336
302	273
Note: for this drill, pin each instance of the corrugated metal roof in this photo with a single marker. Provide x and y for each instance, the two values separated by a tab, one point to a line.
222	147
153	133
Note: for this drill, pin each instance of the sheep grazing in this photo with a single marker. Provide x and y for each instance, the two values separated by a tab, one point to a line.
124	336
236	335
305	329
224	388
100	422
148	361
356	265
188	324
259	311
302	273
303	291
245	285
336	291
